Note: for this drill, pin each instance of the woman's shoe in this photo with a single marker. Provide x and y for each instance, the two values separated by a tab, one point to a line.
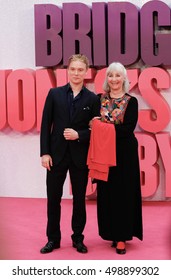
120	249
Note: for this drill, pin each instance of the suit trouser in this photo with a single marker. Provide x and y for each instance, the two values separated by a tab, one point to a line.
55	181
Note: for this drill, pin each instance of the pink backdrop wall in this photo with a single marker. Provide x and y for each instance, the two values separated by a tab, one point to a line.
21	174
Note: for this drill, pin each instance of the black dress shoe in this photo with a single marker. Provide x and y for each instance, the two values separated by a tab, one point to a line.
81	248
49	247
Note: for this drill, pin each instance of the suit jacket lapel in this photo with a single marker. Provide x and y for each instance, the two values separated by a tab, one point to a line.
64	102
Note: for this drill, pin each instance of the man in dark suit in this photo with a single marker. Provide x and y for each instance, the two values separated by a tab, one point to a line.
64	139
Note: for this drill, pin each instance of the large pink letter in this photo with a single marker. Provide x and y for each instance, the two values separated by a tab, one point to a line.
3	102
148	164
151	80
99	34
123	29
163	140
76	26
155	33
48	42
21	100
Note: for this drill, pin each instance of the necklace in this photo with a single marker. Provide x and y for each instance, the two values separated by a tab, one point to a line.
116	97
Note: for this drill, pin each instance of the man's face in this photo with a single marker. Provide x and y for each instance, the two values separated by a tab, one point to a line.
76	72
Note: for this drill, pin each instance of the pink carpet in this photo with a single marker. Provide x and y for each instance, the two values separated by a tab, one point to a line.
23	223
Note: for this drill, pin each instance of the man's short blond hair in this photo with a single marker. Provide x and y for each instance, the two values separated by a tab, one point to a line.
80	57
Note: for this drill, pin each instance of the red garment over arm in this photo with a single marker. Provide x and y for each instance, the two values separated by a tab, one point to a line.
102	150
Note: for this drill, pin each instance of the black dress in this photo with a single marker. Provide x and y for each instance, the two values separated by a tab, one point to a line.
119	204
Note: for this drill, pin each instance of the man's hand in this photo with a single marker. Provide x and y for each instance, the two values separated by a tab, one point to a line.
70	134
47	161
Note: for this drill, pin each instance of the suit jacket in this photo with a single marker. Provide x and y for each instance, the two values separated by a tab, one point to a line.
56	117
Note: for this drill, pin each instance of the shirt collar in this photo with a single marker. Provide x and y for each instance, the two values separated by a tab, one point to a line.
69	88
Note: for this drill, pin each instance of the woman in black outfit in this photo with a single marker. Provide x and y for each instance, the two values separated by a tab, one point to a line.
119	206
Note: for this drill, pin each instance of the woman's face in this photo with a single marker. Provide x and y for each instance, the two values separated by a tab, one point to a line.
115	80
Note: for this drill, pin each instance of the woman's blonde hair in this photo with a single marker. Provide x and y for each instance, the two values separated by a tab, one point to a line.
116	66
80	57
